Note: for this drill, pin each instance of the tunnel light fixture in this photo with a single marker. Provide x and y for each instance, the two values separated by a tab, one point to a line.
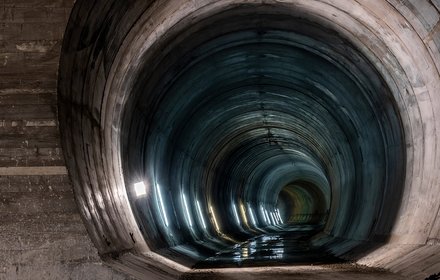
187	210
162	206
199	209
140	189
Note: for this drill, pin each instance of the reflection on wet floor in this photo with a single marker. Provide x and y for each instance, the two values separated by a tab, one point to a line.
292	246
287	248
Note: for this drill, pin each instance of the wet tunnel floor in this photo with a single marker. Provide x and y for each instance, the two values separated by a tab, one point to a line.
291	246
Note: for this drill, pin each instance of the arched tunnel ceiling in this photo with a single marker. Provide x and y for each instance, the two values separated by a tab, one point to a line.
258	133
222	118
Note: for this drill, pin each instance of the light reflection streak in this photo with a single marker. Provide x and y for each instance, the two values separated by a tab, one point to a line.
262	211
162	206
199	209
245	253
252	247
267	217
243	214
279	216
252	216
275	221
188	215
217	228
236	214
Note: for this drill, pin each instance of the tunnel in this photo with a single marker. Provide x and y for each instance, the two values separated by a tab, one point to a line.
229	134
224	123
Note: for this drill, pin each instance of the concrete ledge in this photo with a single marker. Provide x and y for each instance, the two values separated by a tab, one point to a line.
33	171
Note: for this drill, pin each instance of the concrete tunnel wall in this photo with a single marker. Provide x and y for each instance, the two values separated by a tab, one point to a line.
400	38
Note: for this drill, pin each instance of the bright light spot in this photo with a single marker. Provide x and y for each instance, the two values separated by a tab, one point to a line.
245	253
140	189
200	214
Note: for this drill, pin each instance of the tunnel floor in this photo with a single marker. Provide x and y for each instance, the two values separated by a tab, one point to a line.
344	271
288	245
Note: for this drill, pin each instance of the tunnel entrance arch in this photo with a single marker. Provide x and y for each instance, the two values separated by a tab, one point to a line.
137	159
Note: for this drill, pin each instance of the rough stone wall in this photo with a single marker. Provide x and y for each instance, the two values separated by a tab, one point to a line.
41	233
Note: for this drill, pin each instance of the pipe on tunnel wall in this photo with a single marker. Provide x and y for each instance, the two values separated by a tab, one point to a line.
347	93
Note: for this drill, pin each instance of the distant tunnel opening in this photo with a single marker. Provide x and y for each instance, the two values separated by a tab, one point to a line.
302	202
255	136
